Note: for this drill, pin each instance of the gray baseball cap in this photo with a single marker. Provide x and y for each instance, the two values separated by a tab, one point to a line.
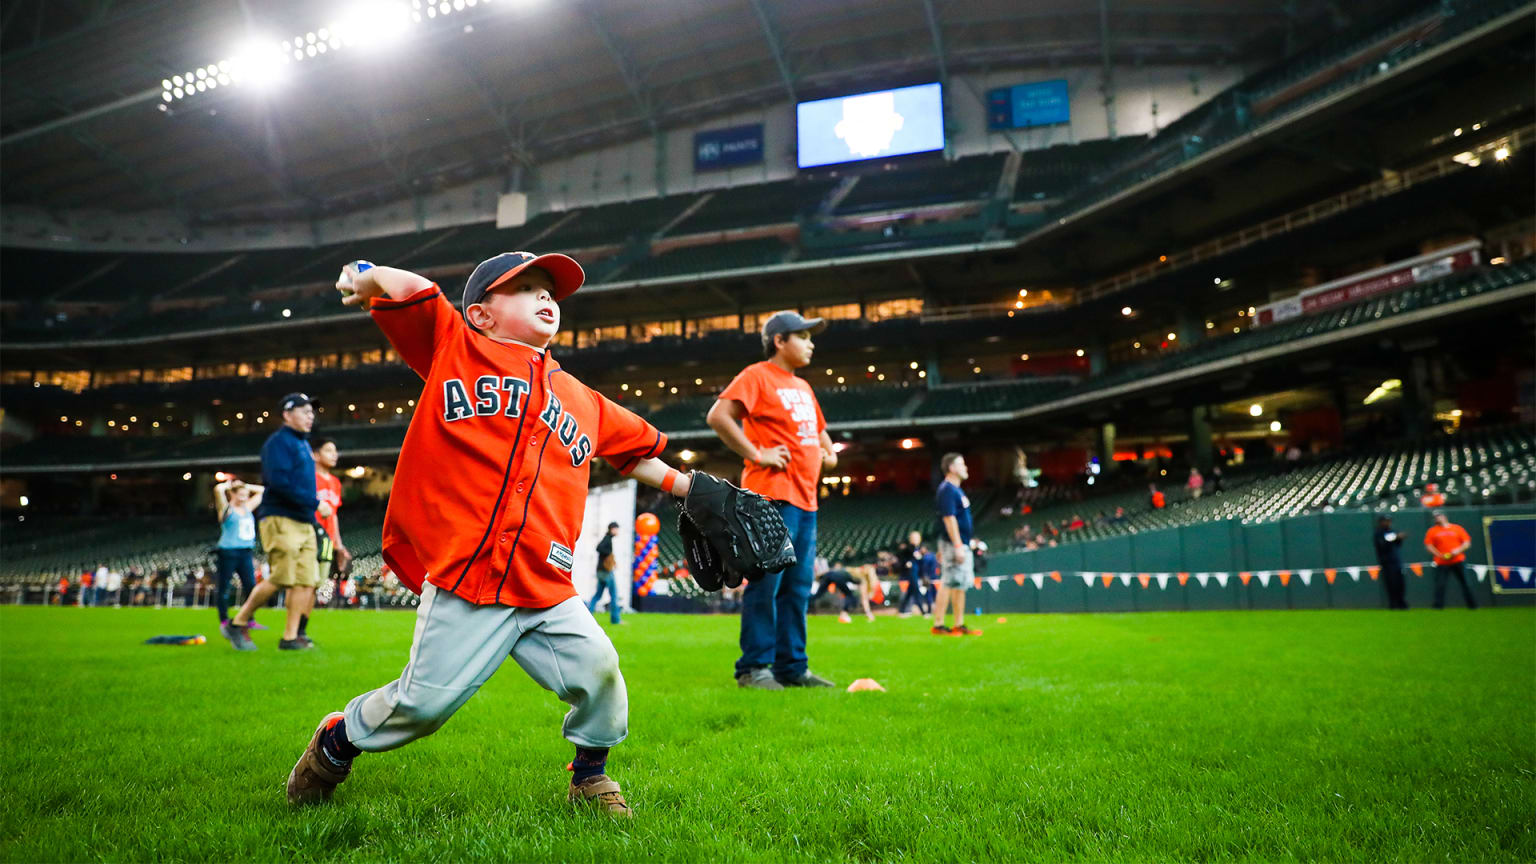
789	321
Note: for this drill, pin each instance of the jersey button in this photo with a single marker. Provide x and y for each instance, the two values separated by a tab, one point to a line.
519	487
503	537
533	441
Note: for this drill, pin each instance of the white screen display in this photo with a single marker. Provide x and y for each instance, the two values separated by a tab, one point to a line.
870	125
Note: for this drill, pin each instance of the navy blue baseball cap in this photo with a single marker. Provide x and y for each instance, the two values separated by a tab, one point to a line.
492	272
790	321
292	401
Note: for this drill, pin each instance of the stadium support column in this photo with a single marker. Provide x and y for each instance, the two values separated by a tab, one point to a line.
661	162
1107	85
202	422
1200	454
935	377
1106	442
1416	397
1098	356
1191	328
200	495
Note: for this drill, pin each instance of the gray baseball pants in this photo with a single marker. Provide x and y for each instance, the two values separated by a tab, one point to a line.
458	646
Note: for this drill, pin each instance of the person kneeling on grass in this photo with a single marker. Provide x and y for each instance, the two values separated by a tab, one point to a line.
484	515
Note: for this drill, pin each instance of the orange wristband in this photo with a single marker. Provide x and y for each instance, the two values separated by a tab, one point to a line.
669	481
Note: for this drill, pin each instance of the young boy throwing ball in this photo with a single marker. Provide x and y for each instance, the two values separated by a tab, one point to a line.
484	515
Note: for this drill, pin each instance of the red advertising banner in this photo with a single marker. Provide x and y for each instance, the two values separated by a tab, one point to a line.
1371	283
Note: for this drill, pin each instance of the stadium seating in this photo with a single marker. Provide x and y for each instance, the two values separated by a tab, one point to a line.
1470	283
990	397
1229	115
839	405
616	223
967	179
774	203
738	255
1497	466
1054	171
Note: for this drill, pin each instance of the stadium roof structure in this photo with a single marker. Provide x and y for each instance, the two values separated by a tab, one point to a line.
477	89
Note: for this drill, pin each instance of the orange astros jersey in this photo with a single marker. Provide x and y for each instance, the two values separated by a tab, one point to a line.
492	480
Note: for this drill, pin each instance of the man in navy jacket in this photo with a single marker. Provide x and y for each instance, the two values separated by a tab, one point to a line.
286	524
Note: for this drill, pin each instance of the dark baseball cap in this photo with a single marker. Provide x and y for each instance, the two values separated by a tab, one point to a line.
293	400
492	272
789	321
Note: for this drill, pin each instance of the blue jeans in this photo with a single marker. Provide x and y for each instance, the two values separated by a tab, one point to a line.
237	564
605	582
773	607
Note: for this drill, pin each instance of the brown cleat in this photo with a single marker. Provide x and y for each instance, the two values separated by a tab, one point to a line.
603	794
314	778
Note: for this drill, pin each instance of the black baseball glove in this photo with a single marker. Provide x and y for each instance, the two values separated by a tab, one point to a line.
730	534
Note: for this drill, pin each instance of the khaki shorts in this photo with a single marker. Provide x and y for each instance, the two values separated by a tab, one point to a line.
954	571
290	548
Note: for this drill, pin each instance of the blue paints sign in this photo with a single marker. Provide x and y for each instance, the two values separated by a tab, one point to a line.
728	148
1040	103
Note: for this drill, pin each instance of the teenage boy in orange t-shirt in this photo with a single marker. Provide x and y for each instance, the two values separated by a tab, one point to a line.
769	416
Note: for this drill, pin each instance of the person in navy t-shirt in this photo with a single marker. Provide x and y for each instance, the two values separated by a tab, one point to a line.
956	566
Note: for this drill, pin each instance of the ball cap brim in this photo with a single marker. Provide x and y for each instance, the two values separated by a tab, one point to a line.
292	401
790	321
495	272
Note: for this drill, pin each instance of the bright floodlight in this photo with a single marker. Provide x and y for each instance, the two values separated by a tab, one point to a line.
259	64
372	23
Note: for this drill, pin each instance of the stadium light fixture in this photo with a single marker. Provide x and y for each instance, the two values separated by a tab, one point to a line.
840	379
1081	352
23	501
1386	387
1256	409
262	63
187	476
1501	154
1173	337
1024	357
1127	311
1274	425
686	455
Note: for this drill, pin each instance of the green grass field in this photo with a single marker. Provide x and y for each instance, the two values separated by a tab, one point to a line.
1197	736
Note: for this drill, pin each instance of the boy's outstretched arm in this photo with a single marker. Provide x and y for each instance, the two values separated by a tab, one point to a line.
360	282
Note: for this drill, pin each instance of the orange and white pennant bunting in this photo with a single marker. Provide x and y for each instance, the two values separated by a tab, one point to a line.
994	582
1202	578
1306	577
1162	579
1125	579
1088	578
1038	579
1221	578
1481	570
1263	577
1354	573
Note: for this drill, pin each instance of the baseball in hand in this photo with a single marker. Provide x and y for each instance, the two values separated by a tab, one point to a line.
346	282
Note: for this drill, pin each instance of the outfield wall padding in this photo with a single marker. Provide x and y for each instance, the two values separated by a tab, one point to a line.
1317	542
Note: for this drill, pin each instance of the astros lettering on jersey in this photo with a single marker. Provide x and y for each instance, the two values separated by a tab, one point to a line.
492	479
